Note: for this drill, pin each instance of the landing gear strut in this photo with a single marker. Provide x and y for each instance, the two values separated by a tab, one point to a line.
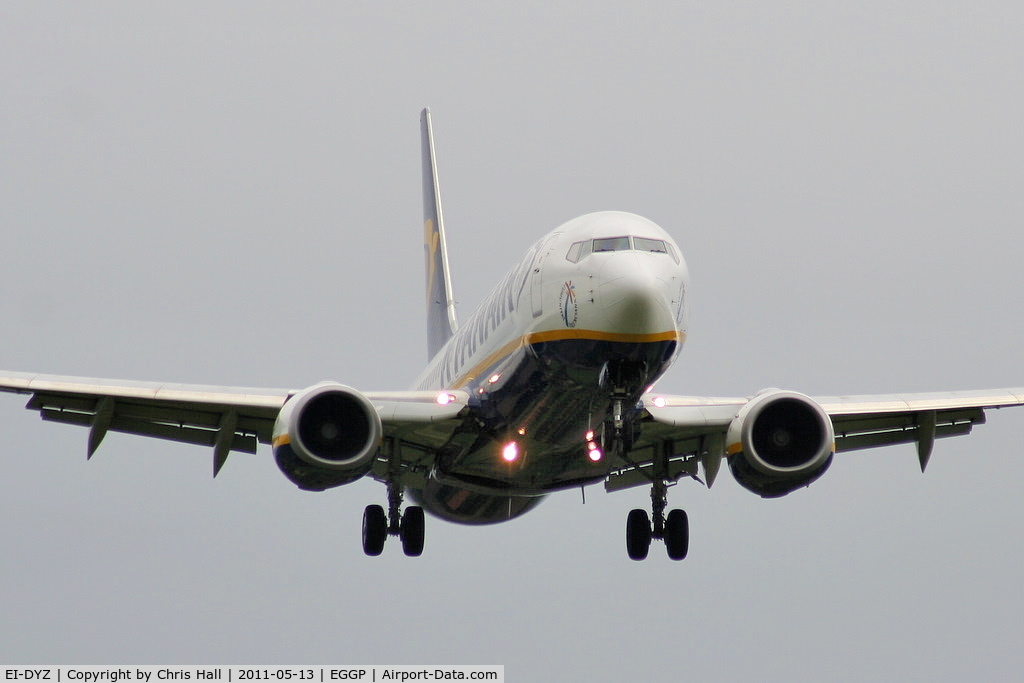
409	527
623	380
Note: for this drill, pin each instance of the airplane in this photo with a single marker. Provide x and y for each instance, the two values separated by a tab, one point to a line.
548	386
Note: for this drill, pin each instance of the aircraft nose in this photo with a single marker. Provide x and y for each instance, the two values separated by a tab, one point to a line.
633	300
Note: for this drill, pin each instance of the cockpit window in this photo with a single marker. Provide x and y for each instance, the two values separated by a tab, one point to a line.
573	254
672	252
644	244
581	250
611	244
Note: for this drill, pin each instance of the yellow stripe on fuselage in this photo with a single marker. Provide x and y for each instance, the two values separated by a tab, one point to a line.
595	335
563	335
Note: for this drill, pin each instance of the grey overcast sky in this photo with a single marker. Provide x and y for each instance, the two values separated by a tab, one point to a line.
229	193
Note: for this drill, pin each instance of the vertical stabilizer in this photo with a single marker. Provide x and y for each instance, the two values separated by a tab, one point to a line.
441	322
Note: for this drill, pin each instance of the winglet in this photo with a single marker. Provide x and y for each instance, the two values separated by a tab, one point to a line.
441	322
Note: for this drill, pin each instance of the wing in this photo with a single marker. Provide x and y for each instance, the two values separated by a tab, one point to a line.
871	421
691	430
224	418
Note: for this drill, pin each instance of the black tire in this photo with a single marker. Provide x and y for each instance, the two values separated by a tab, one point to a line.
638	534
375	530
677	534
412	531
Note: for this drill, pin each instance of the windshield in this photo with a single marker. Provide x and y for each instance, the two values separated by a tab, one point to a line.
581	250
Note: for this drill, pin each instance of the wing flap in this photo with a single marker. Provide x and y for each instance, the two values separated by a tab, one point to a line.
869	431
139	410
157	416
199	436
224	418
856	442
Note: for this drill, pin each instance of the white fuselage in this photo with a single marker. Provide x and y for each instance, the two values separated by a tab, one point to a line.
621	295
597	309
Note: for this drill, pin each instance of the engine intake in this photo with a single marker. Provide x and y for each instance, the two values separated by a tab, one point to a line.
326	435
780	441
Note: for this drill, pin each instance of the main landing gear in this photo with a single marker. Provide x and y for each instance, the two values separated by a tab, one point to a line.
673	529
409	527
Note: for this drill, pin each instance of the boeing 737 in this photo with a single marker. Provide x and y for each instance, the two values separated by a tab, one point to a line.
547	386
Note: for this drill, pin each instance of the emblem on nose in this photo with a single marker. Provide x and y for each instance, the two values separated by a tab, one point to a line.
567	304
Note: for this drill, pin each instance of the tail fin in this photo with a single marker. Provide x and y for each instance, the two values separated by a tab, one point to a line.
441	323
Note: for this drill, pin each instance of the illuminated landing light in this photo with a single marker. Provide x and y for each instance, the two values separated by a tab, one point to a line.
522	431
494	378
593	450
444	398
510	452
660	401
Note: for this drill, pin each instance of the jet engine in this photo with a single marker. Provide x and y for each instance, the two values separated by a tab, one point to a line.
780	441
326	436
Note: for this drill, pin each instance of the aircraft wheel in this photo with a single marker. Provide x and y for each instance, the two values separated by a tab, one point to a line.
375	530
412	531
677	534
638	534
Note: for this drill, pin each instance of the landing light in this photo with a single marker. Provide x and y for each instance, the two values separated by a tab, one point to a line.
444	398
510	452
494	378
593	451
660	401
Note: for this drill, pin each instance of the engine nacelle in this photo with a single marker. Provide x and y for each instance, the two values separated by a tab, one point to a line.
779	442
326	436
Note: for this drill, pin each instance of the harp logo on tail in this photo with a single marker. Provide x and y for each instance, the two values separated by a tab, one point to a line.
431	240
